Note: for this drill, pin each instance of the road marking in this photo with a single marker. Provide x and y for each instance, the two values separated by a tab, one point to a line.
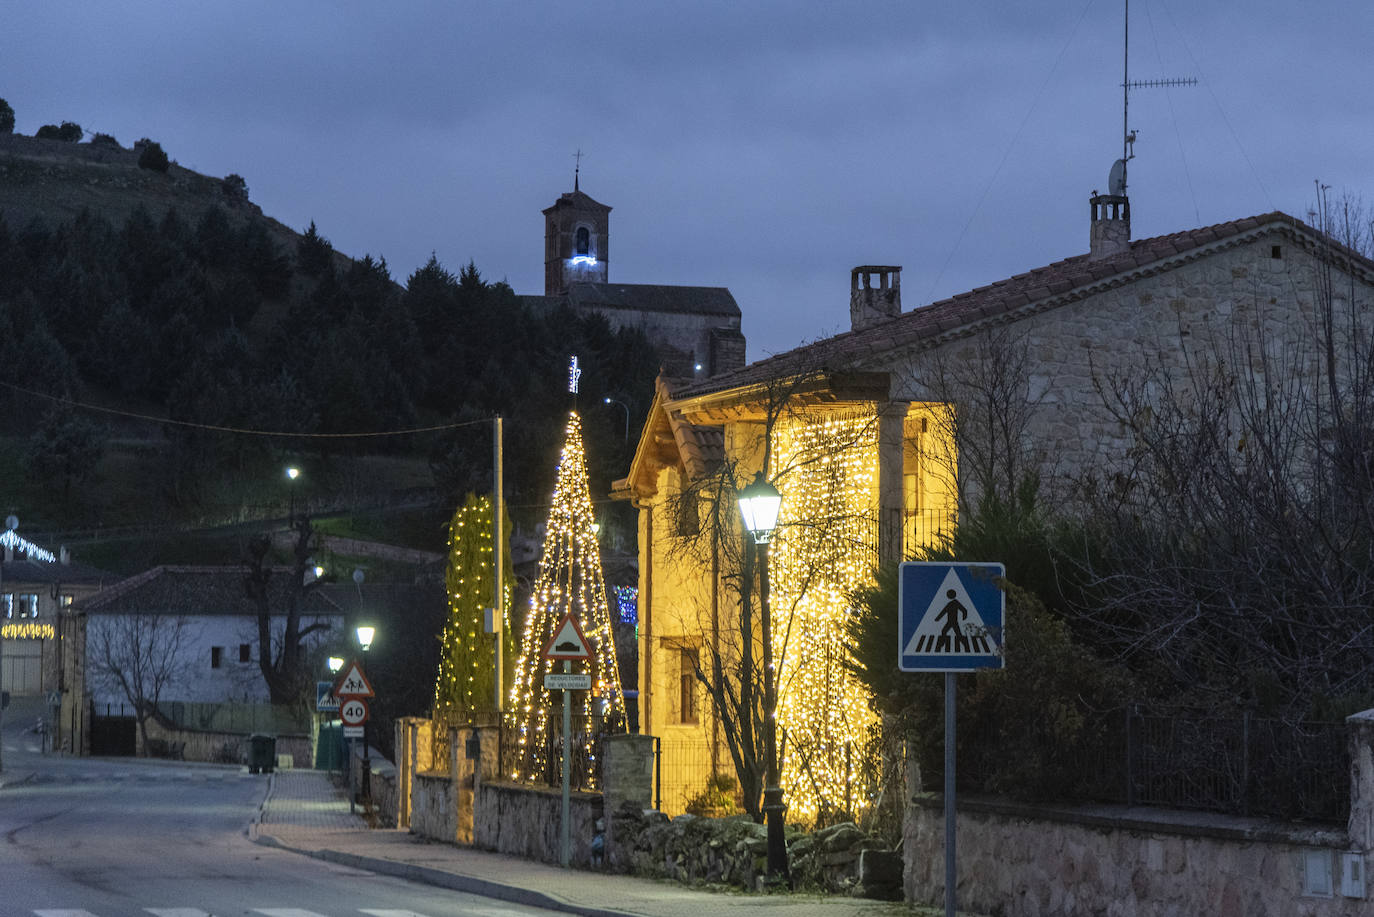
63	913
177	912
286	912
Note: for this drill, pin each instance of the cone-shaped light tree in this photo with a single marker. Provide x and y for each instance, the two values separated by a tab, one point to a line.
570	583
464	690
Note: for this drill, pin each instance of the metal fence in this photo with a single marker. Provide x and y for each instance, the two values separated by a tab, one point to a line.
1233	764
532	752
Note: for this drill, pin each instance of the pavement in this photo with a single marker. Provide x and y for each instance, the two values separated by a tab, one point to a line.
304	812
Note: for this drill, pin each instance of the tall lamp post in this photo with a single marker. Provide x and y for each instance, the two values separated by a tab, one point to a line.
758	505
624	407
292	472
365	634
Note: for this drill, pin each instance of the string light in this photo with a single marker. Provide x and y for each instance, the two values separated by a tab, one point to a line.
10	540
825	547
467	657
28	630
570	582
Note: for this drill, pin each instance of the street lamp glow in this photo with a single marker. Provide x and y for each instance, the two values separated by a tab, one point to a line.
365	635
758	504
293	472
335	663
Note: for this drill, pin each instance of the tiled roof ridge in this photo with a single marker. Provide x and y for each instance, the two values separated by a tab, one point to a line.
1017	291
139	580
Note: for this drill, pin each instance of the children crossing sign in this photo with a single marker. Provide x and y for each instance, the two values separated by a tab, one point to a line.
950	617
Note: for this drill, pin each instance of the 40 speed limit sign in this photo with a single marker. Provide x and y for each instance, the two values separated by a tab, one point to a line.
353	711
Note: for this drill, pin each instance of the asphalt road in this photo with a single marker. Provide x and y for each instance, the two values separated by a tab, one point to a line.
119	837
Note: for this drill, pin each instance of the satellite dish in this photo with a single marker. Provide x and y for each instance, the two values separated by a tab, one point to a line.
11	522
358	576
1116	182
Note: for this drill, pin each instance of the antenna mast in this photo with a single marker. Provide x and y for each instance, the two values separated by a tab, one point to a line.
1127	135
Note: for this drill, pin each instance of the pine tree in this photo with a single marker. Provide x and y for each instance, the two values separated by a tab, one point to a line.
570	583
463	691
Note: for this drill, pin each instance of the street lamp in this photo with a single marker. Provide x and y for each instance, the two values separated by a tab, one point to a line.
758	505
292	472
335	663
626	409
365	633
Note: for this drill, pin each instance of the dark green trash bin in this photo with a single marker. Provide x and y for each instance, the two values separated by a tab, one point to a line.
262	754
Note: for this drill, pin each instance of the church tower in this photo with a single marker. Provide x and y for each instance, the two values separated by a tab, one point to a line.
576	242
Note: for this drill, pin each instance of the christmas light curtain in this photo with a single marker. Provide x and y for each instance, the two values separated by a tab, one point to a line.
464	689
824	549
570	582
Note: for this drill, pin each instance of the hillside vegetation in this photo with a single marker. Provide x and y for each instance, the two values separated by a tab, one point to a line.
154	324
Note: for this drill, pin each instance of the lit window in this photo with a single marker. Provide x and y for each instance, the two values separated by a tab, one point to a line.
26	606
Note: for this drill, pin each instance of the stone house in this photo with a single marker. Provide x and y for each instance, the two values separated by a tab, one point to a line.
859	432
199	633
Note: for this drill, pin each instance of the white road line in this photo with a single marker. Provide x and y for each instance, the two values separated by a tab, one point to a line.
177	912
63	913
285	912
386	912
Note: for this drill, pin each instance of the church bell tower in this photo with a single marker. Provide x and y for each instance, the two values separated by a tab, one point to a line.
576	241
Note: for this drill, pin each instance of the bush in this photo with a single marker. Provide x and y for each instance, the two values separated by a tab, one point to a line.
152	157
234	188
104	140
6	118
68	131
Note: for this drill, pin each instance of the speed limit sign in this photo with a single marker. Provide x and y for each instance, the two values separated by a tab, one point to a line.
353	711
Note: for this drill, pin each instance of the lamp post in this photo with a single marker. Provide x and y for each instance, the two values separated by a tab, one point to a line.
365	634
624	407
292	472
758	505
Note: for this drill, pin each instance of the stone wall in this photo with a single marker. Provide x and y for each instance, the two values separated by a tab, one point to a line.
432	812
225	747
1086	861
526	821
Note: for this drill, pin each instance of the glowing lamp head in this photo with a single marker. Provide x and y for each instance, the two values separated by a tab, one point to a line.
758	504
365	635
335	663
292	473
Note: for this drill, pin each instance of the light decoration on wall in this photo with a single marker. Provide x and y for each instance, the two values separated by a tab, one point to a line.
27	630
570	581
824	548
588	260
467	653
626	603
12	541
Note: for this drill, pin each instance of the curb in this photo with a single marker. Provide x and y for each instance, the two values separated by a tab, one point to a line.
443	879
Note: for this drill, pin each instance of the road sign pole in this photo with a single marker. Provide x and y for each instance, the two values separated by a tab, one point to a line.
950	863
564	847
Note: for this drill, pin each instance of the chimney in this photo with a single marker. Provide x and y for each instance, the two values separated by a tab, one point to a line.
870	305
1111	225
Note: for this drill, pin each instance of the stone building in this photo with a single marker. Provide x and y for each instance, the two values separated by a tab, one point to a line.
858	433
696	330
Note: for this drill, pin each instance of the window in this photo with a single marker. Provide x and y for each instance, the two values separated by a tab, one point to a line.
584	241
65	600
26	606
688	513
245	652
688	660
216	656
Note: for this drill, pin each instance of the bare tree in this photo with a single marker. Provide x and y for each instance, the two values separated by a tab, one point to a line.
140	656
283	661
1233	550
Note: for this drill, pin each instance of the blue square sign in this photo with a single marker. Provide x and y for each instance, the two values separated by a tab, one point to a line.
950	617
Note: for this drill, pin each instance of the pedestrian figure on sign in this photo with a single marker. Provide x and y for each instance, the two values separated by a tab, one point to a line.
953	611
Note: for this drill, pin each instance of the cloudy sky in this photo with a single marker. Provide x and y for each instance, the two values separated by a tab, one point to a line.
767	147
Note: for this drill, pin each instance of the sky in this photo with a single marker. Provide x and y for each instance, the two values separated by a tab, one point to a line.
768	147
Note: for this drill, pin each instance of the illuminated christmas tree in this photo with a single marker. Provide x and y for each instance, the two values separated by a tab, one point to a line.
570	582
464	691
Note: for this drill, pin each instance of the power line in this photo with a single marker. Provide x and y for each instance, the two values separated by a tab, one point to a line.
242	431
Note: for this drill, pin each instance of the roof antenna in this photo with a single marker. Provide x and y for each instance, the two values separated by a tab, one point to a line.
1116	184
577	167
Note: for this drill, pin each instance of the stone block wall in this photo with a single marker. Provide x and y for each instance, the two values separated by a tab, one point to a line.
526	821
432	812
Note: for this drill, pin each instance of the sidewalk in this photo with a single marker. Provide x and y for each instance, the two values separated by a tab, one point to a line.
305	813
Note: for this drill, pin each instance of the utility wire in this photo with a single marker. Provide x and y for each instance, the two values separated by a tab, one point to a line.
242	431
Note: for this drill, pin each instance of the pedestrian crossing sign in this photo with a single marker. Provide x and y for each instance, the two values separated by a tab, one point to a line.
950	617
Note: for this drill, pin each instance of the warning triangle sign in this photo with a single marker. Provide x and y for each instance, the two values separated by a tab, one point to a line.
568	641
951	624
353	683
